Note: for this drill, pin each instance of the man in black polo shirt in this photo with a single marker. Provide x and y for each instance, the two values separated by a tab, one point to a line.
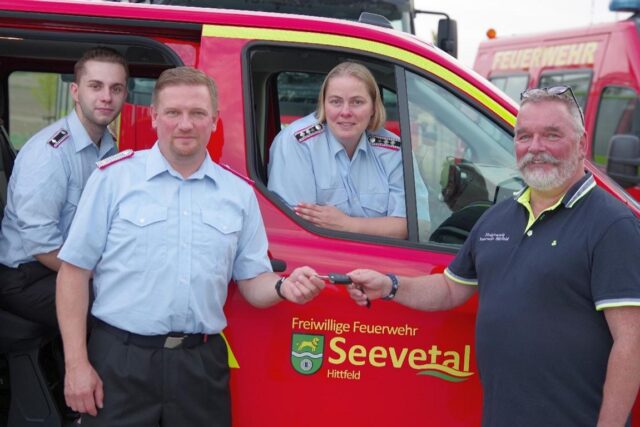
558	324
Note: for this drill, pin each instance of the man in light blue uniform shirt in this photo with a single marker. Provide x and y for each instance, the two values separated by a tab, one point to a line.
164	248
47	180
164	231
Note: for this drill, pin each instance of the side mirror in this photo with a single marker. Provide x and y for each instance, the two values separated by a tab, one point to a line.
624	159
448	36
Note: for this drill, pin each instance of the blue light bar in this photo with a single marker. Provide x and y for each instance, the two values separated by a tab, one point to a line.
624	6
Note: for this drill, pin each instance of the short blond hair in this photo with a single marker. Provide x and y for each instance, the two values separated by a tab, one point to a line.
363	74
185	76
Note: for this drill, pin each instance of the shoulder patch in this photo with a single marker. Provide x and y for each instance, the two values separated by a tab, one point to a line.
101	164
384	142
306	133
58	138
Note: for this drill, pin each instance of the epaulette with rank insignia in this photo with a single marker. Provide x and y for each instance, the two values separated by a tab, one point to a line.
101	164
58	138
306	133
384	142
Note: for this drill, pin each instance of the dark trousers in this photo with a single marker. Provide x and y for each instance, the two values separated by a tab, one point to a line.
149	387
29	291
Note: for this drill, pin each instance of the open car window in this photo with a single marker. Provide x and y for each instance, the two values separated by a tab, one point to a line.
457	161
465	161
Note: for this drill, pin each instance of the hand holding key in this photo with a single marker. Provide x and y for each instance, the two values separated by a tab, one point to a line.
368	284
336	279
343	279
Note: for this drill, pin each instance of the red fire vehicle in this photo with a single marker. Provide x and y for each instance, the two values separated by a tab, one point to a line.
328	362
601	64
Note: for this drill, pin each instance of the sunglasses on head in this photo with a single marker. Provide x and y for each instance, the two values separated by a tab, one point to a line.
556	91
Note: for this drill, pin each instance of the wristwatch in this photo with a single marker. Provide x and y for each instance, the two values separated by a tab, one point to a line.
278	286
394	287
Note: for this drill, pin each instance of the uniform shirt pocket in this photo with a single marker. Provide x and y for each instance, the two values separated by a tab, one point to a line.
375	204
143	234
217	234
337	197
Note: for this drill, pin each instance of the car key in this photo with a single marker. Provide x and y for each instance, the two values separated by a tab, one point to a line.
336	278
340	279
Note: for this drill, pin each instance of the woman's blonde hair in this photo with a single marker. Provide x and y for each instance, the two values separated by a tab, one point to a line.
363	74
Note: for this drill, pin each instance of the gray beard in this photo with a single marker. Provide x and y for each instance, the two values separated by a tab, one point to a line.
556	178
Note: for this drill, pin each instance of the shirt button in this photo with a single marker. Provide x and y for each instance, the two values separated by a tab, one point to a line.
530	233
185	212
142	220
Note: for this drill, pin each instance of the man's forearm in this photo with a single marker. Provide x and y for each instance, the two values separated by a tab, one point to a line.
72	302
432	293
260	291
620	387
300	287
623	369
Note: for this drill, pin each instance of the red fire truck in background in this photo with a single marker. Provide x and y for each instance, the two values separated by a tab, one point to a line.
602	65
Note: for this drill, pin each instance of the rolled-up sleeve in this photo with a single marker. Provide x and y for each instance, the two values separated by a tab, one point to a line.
39	196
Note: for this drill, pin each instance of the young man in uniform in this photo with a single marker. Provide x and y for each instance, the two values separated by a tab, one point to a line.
556	269
48	177
164	230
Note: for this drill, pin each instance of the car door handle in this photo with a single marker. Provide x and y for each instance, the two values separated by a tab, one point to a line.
278	265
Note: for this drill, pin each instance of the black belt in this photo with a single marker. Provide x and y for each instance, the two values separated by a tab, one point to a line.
170	340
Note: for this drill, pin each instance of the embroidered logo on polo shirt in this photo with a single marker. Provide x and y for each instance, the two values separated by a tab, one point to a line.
306	133
58	138
494	237
115	158
384	142
554	243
